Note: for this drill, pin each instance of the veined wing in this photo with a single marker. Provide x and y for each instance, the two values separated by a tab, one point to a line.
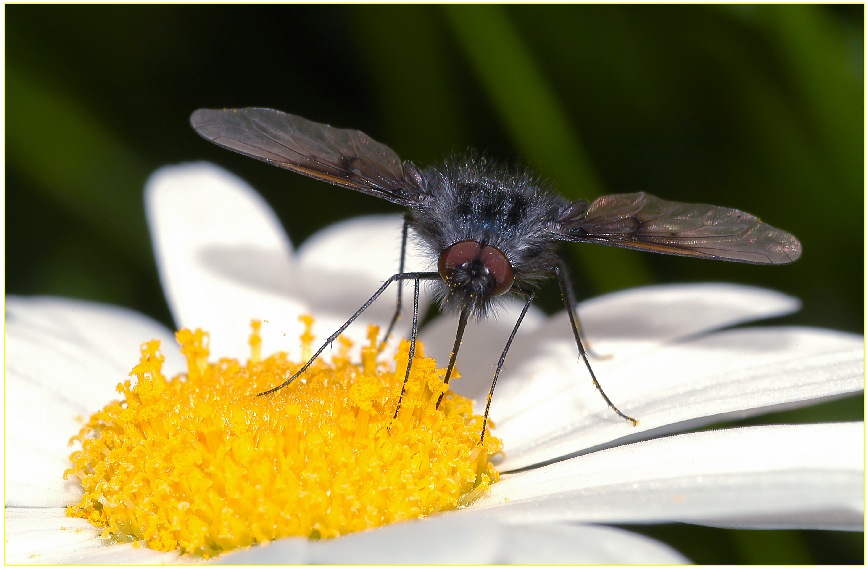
343	157
645	222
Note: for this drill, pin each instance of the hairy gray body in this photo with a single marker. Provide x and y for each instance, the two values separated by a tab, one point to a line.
473	198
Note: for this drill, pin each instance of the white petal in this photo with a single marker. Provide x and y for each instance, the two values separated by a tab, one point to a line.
733	373
48	536
481	346
625	324
637	320
581	544
223	258
795	476
64	359
341	267
461	538
620	325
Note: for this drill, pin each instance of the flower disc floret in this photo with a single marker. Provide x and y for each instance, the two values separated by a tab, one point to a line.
202	464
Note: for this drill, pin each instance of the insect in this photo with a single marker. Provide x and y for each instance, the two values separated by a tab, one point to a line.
492	230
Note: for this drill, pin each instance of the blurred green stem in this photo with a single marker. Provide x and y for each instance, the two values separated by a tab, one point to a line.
79	164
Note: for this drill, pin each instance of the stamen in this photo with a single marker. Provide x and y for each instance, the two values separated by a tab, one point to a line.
199	463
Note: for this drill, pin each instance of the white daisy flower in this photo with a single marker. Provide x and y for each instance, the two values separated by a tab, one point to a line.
569	465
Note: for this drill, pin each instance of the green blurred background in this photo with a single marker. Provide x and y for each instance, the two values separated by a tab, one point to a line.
754	107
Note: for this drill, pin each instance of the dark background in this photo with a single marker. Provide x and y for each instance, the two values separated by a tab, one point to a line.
754	107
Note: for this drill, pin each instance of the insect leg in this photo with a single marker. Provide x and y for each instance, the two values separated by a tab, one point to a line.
530	295
462	322
427	275
400	283
569	295
413	334
564	283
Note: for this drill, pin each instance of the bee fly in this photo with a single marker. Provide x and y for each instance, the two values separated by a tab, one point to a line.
492	230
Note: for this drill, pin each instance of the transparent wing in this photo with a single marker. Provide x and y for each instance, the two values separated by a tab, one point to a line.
641	221
342	157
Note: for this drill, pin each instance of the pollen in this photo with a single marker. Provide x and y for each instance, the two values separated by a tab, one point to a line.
199	463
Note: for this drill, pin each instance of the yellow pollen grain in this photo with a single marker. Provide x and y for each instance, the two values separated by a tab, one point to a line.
201	464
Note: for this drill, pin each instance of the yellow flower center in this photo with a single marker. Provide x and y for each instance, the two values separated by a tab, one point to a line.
202	464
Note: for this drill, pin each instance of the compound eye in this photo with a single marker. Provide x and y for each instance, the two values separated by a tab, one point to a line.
495	264
457	255
499	268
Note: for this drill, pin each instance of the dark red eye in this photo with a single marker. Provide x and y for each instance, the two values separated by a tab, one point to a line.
499	267
457	255
490	258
